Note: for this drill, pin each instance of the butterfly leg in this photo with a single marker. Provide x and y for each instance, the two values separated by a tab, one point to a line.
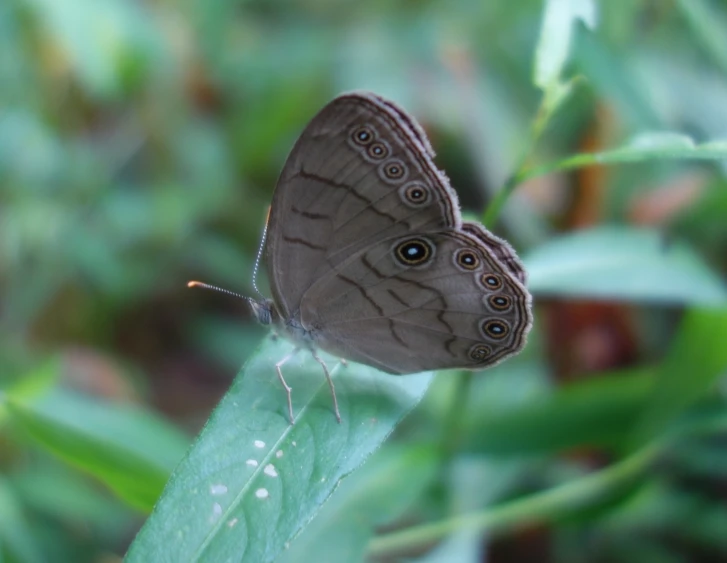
330	384
287	388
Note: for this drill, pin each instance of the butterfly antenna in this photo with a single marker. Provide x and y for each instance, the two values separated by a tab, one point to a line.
215	288
259	256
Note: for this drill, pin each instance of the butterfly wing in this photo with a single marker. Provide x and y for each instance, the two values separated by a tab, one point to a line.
423	301
361	172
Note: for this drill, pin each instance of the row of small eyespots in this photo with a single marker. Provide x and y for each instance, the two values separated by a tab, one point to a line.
418	251
393	170
468	260
495	328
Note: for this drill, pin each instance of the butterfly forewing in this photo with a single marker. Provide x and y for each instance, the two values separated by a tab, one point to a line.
357	175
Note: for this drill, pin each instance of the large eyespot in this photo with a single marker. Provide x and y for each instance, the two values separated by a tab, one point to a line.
413	251
415	194
378	150
363	135
480	352
499	302
491	281
467	259
394	170
493	328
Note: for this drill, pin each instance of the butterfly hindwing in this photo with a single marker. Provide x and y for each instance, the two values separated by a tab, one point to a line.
422	301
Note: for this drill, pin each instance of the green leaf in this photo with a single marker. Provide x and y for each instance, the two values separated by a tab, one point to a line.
709	28
252	480
379	492
598	411
696	358
130	450
663	145
624	264
16	534
648	146
56	492
612	77
556	35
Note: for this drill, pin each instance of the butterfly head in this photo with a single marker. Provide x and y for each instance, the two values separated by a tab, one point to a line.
263	310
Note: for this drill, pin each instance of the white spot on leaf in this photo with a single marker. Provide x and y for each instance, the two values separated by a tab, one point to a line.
251	463
270	470
216	512
262	493
232	522
279	454
218	489
259	444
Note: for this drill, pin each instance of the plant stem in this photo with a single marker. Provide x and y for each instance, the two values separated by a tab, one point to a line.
452	427
536	508
542	117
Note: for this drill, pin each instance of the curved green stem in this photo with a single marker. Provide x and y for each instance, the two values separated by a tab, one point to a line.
539	507
452	427
549	104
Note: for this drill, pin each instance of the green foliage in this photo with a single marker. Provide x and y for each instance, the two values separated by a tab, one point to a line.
250	465
625	264
139	146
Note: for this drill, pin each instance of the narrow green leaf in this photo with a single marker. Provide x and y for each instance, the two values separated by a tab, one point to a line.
695	360
556	35
57	492
664	145
128	449
375	495
710	29
17	539
624	264
252	480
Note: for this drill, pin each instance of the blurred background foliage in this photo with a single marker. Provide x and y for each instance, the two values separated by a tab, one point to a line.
140	142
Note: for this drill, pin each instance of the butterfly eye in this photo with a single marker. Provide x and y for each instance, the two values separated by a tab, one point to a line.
491	281
362	135
480	352
467	259
414	194
395	169
378	150
500	302
414	252
495	329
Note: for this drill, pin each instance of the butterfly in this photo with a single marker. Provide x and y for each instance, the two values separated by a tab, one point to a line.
369	259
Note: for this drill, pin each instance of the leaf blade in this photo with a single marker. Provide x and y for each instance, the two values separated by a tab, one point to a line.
130	450
250	467
695	360
624	264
